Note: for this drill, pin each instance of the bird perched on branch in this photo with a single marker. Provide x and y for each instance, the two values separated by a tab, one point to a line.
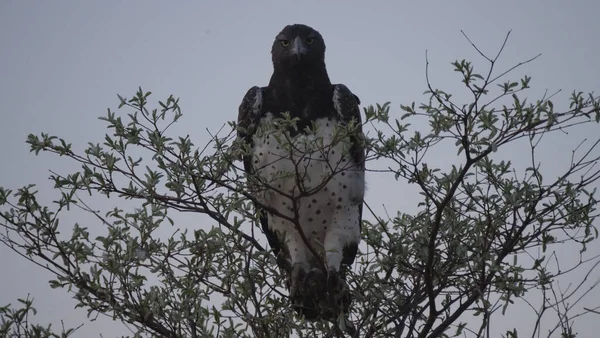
306	169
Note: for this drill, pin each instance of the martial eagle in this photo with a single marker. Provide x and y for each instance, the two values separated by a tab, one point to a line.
305	168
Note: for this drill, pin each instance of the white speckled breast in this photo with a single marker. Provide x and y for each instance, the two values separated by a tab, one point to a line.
313	174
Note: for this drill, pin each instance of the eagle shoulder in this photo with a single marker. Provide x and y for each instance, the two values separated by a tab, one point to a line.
249	114
250	110
346	104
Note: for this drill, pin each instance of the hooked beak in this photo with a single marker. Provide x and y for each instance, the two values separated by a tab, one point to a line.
298	48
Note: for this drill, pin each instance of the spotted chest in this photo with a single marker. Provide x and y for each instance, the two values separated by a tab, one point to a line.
310	177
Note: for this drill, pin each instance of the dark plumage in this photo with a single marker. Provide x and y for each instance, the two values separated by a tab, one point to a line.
328	188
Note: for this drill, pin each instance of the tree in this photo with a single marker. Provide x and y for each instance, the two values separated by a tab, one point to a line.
485	236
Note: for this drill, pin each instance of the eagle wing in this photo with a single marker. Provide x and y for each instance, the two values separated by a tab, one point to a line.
347	107
249	114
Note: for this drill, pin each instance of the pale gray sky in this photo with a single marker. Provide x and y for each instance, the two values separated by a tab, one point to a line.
63	62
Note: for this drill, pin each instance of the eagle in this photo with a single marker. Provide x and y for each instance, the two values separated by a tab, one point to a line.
305	164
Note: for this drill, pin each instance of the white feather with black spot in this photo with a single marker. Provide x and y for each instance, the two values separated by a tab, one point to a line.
322	178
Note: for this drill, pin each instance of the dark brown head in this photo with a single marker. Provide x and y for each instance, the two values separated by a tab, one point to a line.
298	45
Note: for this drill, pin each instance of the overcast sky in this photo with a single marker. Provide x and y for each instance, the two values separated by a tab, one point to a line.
63	62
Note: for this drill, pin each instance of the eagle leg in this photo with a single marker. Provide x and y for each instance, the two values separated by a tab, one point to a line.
336	285
338	298
314	282
297	278
305	291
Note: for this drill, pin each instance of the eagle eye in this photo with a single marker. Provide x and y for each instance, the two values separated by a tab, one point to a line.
310	41
285	43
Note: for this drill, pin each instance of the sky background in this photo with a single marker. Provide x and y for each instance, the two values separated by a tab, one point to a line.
63	62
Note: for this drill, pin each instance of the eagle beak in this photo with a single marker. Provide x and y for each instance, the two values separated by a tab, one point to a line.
298	48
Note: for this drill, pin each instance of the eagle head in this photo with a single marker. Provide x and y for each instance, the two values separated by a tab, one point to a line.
298	45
